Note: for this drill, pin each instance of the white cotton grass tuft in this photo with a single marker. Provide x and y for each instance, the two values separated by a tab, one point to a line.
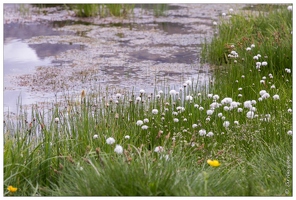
250	114
127	137
210	134
118	149
290	132
276	97
210	112
95	136
158	149
202	132
110	140
226	124
144	127
139	123
155	111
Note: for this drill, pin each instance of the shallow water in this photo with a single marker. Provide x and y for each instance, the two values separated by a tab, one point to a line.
48	54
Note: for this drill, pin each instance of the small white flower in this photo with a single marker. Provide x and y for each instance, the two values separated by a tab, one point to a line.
230	10
289	132
215	23
180	109
176	120
262	81
196	105
145	120
248	104
210	95
226	100
264	63
138	99
240	89
260	99
216	97
223	118
173	92
248	48
185	120
253	102
239	110
243	76
290	110
253	109
201	108
56	119
255	58
142	91
155	111
252	45
160	92
288	70
189	98
220	114
265	96
214	105
139	123
188	82
127	137
175	113
226	124
239	95
194	125
118	149
144	127
158	149
250	114
236	122
208	119
258	55
264	78
272	87
95	136
226	108
118	95
202	132
223	14
110	140
210	112
210	134
276	97
290	8
262	92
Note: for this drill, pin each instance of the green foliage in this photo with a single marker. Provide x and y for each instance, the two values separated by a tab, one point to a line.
64	151
270	31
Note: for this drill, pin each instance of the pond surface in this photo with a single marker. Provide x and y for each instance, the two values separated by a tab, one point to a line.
50	51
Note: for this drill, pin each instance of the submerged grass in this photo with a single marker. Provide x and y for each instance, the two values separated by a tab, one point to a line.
107	143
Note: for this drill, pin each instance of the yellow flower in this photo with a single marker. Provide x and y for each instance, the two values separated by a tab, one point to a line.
11	189
213	163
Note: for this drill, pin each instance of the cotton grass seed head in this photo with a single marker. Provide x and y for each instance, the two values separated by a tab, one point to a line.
202	132
110	140
139	123
158	149
276	97
155	111
144	127
118	149
95	136
290	132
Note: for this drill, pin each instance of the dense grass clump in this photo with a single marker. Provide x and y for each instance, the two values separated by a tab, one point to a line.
270	30
231	137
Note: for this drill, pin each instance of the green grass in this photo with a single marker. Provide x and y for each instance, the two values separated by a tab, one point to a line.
64	151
